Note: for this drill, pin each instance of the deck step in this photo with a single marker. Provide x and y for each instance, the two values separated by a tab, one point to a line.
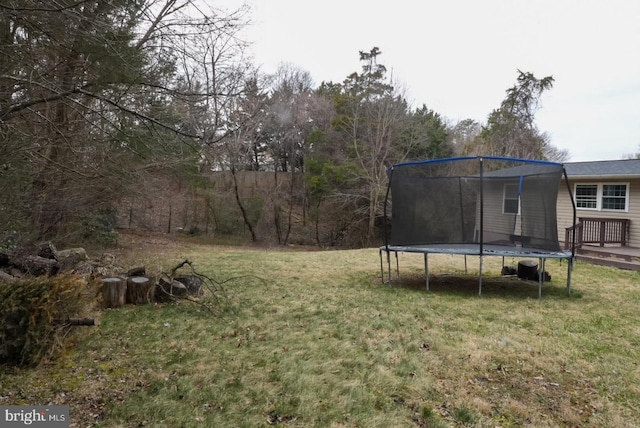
609	261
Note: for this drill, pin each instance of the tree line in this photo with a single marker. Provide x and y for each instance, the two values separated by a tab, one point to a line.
99	97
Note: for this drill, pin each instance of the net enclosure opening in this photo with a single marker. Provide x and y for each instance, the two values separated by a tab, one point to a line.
479	206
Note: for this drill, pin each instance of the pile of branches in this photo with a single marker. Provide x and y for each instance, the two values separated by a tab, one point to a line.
200	289
37	313
44	292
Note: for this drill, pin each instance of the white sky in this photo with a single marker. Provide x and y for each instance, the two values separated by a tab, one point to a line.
459	56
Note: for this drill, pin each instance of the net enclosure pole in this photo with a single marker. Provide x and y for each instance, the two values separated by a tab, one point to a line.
386	232
569	269
381	266
481	224
573	235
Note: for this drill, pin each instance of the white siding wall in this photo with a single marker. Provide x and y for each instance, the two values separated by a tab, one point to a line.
565	212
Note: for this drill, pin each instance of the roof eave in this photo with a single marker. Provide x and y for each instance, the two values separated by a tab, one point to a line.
605	177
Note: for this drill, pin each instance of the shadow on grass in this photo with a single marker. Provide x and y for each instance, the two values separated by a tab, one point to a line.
505	287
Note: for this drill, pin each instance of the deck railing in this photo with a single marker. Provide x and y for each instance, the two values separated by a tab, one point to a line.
569	234
601	231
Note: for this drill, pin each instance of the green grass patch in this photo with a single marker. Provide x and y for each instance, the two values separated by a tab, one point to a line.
320	341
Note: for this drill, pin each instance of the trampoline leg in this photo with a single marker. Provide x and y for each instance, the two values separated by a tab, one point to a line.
426	269
389	266
397	266
569	269
540	277
465	265
480	278
381	267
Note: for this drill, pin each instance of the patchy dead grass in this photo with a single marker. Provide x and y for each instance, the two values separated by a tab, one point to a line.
319	340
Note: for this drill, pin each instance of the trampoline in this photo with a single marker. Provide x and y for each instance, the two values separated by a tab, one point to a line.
475	206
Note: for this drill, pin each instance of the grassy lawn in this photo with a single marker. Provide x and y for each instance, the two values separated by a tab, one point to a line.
315	339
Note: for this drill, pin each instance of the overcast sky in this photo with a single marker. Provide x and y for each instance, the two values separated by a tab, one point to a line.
459	56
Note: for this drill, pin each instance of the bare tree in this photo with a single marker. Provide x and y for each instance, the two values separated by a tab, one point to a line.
95	94
375	113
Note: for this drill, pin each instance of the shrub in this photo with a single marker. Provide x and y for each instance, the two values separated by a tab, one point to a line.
100	226
35	314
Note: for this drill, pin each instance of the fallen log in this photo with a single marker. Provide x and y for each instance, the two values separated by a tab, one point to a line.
6	277
71	257
36	265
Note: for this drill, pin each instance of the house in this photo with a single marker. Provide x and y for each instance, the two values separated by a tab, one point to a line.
607	198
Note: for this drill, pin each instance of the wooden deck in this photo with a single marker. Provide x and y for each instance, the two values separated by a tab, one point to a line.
603	241
623	257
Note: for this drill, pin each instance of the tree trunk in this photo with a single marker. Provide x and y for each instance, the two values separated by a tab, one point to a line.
373	203
140	290
245	216
114	291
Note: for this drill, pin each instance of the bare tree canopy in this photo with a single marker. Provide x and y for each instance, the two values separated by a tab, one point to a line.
93	94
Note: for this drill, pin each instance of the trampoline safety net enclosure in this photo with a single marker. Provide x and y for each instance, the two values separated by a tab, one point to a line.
475	206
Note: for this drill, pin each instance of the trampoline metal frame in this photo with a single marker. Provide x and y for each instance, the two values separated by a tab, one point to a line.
480	248
542	258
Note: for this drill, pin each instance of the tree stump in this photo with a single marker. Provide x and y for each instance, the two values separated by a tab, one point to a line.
140	290
114	291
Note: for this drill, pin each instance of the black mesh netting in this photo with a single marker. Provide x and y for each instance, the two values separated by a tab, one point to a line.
479	201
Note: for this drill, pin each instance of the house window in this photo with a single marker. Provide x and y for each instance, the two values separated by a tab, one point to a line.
587	196
511	200
602	197
614	196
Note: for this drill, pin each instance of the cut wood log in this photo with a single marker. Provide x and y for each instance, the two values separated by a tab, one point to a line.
6	277
69	258
137	271
169	289
36	265
114	291
192	282
46	249
140	290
